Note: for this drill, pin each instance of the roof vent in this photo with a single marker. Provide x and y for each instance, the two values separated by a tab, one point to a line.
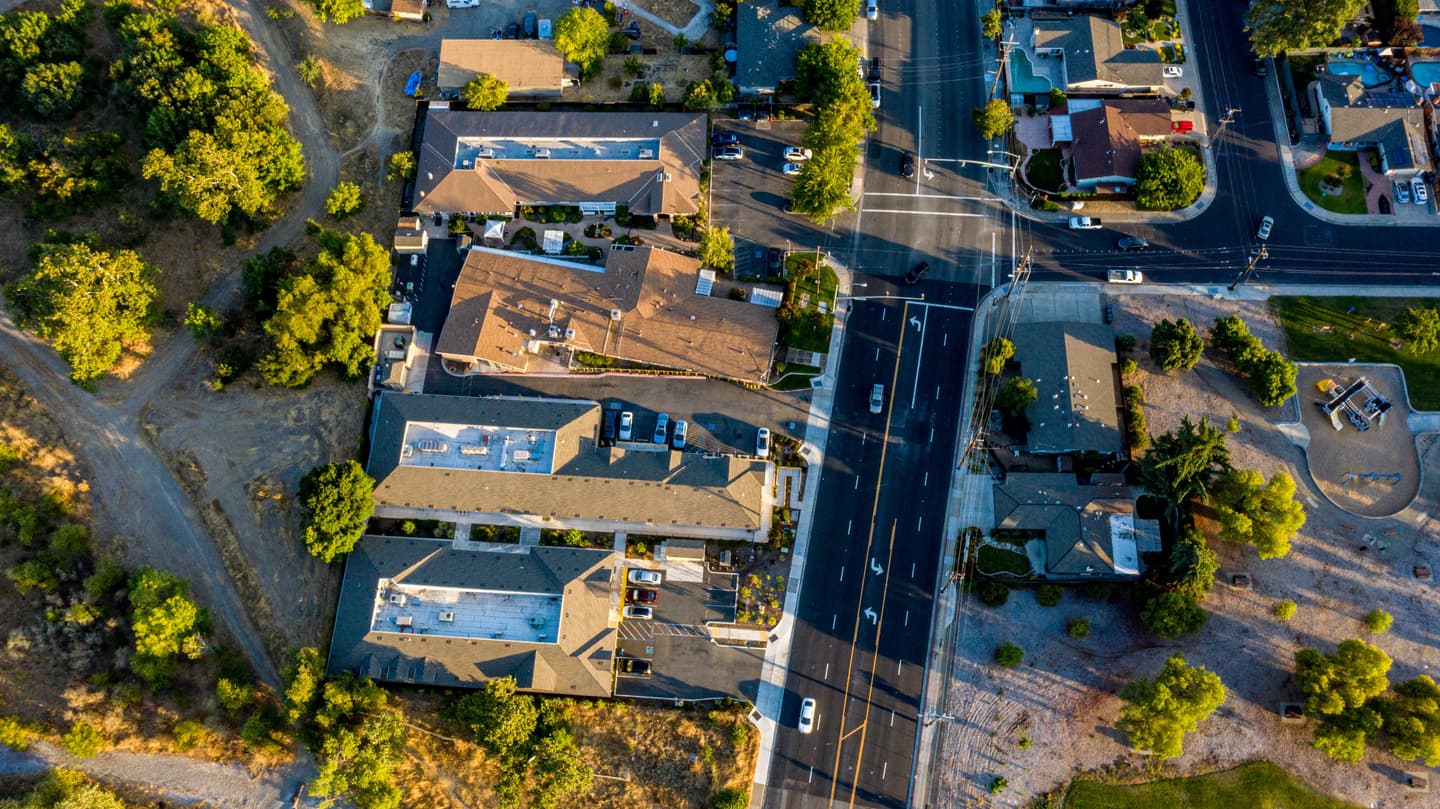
553	332
465	164
554	304
615	314
569	335
667	178
541	154
647	154
485	152
655	123
429	175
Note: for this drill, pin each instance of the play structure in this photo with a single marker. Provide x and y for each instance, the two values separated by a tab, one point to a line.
1359	403
1391	478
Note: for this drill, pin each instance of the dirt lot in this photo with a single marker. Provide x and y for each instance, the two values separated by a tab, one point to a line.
1062	698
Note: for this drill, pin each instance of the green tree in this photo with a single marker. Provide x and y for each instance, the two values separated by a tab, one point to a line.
995	354
1192	565
167	623
304	679
730	798
1172	614
1168	179
1015	395
1263	514
633	67
717	249
823	188
1183	464
1378	621
994	119
485	92
68	789
1284	609
1174	345
699	96
1158	713
1412	720
825	74
1271	378
234	696
557	771
1277	26
402	166
345	198
337	11
1419	327
1136	21
1343	737
203	322
1009	654
212	176
502	720
583	36
657	95
990	24
832	15
1346	680
54	90
1231	336
87	303
357	740
310	71
338	499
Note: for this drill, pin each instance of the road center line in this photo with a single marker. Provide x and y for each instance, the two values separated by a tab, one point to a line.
919	521
898	667
926	481
848	525
834	619
826	675
842	573
907	622
857	483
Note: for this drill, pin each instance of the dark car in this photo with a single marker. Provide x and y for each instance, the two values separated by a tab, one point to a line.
920	270
512	31
724	139
530	22
874	68
633	667
1132	243
775	261
907	165
639	596
1260	69
608	429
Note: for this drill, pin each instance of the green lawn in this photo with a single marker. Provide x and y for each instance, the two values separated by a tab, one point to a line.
1257	785
1306	321
1353	198
1044	171
994	560
802	323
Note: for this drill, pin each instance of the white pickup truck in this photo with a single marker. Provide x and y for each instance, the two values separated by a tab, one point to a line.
1125	277
1084	223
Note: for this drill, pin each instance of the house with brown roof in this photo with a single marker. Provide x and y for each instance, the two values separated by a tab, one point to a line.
494	162
412	10
1108	137
529	462
436	612
645	306
1092	56
1086	530
1391	123
1073	367
532	68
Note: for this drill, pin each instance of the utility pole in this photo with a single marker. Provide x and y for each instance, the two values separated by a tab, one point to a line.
1249	268
985	399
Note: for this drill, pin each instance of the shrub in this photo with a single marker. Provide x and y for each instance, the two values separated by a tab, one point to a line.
1048	595
1284	609
1137	432
993	593
1009	655
1174	345
1128	366
1378	621
82	741
996	353
14	734
188	734
1125	342
998	785
1078	628
730	798
345	198
1170	615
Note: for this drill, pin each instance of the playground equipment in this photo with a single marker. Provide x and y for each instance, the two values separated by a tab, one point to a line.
1349	401
1391	478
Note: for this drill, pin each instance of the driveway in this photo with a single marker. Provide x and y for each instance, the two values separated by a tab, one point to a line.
479	21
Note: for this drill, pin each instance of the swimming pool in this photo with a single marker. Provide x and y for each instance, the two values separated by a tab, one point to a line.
1368	73
1425	73
1022	75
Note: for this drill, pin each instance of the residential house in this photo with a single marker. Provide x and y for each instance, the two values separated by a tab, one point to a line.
768	38
412	10
494	162
1093	57
1086	530
539	462
1073	367
1107	138
1391	123
646	305
437	612
532	68
410	235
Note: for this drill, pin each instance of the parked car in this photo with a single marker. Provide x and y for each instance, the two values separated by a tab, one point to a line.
728	153
1125	277
724	139
877	398
677	440
775	261
1174	72
634	668
608	430
1421	192
641	596
1402	191
875	94
874	68
807	715
917	272
872	10
639	576
636	612
1260	69
762	442
662	428
512	31
1131	243
790	169
531	25
907	165
1085	223
1264	232
627	425
796	154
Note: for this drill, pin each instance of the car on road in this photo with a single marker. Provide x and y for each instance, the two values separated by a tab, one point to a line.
796	154
728	153
875	94
1260	69
1131	243
1084	223
762	442
631	667
907	165
662	428
790	169
807	716
638	576
1174	72
677	440
1422	194
872	10
639	595
1125	277
775	261
1265	225
627	425
635	612
917	272
1402	191
874	68
724	139
877	398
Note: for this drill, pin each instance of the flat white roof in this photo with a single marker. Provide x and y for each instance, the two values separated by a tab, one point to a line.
478	446
456	613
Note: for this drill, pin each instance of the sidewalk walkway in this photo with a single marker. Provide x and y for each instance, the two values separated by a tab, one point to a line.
694	30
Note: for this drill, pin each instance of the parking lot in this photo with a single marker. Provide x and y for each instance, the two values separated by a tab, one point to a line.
685	664
478	21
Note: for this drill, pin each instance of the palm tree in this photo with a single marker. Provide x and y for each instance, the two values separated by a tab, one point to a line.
1182	465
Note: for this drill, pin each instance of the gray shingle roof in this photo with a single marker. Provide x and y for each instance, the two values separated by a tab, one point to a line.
1072	365
1075	519
1095	51
1362	118
768	38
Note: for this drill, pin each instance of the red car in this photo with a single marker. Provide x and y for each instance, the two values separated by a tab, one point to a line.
639	596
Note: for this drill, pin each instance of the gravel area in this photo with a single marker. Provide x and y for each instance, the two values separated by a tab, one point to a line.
1062	697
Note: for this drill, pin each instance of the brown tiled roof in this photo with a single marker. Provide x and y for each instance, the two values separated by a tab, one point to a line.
501	297
668	183
528	66
1106	140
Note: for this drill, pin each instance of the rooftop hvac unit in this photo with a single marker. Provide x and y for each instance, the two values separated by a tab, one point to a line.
667	178
541	154
569	335
397	599
447	617
485	153
615	314
465	164
553	331
647	154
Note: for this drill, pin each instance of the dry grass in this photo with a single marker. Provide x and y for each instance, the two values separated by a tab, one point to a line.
676	12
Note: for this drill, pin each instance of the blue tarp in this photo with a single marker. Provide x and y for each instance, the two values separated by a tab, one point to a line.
412	86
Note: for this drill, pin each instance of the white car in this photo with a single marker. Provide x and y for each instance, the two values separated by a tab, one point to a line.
1084	223
638	576
875	94
1264	232
1422	193
627	425
877	398
807	715
762	442
790	169
1125	277
795	154
639	613
677	440
662	428
1174	72
872	9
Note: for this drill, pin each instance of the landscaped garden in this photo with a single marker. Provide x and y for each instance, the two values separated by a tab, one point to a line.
1255	784
1335	183
808	310
1044	171
1337	329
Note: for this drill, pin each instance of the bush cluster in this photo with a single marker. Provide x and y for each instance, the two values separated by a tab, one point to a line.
1270	376
1137	433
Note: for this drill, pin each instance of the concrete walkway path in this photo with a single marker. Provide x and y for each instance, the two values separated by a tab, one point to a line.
693	30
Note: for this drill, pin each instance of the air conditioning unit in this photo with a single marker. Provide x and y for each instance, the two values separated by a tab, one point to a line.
447	617
553	332
466	164
541	154
485	153
397	599
569	335
667	178
647	154
615	314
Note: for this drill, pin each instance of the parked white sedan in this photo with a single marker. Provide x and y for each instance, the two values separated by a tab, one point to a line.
795	154
1174	72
